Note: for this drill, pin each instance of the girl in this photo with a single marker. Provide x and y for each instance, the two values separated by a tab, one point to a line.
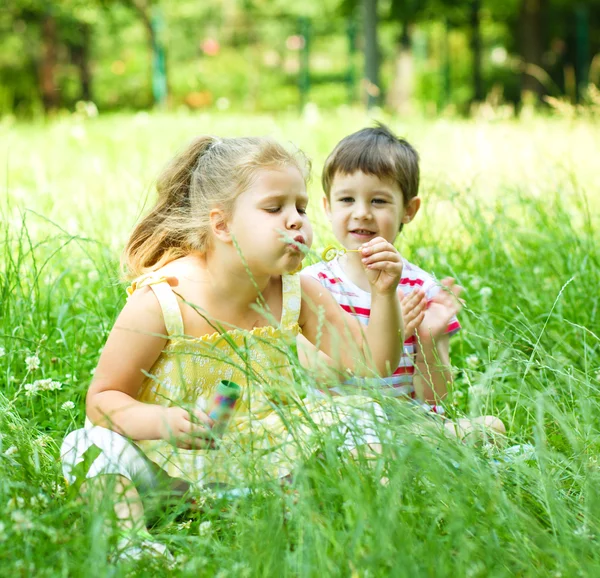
215	298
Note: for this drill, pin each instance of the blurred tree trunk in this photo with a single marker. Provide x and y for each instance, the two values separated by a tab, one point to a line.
144	10
80	54
476	49
401	91
47	67
531	36
371	52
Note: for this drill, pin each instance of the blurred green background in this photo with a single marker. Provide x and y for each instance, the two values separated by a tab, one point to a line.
409	56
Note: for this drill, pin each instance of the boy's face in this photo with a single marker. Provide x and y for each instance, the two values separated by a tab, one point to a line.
361	207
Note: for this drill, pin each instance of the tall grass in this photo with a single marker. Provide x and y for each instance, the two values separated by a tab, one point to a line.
509	210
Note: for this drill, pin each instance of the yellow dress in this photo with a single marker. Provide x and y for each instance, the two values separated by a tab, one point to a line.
271	426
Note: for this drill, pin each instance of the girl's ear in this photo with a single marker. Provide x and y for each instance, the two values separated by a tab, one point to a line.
411	209
219	225
327	207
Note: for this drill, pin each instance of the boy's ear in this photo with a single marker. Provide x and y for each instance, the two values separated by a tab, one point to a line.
327	207
412	208
219	225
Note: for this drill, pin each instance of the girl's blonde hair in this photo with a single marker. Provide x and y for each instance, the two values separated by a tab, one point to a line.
209	173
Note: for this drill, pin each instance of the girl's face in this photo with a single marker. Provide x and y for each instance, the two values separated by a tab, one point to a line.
362	207
269	221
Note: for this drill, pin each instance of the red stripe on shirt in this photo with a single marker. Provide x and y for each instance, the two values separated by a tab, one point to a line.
357	310
407	370
411	282
330	279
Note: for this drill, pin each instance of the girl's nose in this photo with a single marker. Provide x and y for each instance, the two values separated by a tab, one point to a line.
294	220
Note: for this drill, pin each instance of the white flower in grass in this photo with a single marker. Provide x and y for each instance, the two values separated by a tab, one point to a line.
67	406
93	275
2	352
472	361
184	525
475	282
15	502
11	450
485	292
204	528
22	521
3	535
30	389
478	390
32	362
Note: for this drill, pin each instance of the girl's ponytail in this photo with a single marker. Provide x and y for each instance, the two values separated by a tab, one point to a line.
159	237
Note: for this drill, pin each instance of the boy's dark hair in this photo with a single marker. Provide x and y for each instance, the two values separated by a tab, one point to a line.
375	151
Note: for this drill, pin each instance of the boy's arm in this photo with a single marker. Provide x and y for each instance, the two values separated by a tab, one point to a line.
433	373
340	336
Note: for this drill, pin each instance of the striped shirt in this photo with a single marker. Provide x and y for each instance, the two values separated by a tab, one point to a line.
357	302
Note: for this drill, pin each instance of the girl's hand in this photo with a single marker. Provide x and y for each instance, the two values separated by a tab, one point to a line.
442	308
414	305
383	265
189	430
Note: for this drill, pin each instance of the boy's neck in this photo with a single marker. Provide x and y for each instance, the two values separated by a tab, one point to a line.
352	266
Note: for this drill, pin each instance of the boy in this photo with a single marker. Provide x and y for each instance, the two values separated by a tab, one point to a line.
371	182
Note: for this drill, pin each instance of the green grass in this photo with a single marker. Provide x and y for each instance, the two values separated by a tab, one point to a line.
510	209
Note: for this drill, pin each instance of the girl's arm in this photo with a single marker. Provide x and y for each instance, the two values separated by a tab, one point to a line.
132	348
340	336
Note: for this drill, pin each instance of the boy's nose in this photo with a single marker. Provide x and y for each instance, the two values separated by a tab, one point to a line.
362	211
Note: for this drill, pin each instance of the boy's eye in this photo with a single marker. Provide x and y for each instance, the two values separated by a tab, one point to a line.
346	200
379	201
301	210
273	209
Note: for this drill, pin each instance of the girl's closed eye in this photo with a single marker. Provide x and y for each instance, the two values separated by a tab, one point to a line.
379	201
273	209
346	200
301	210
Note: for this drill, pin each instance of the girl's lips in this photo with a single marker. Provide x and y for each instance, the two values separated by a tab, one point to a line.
298	243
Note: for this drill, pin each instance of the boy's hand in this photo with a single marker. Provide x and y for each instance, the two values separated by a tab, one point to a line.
414	305
442	308
383	265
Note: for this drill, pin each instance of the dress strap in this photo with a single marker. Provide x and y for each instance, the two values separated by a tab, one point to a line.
291	300
166	299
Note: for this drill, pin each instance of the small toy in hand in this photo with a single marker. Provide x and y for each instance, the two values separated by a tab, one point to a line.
331	252
222	405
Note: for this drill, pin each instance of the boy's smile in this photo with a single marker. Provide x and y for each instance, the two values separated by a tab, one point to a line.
363	206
